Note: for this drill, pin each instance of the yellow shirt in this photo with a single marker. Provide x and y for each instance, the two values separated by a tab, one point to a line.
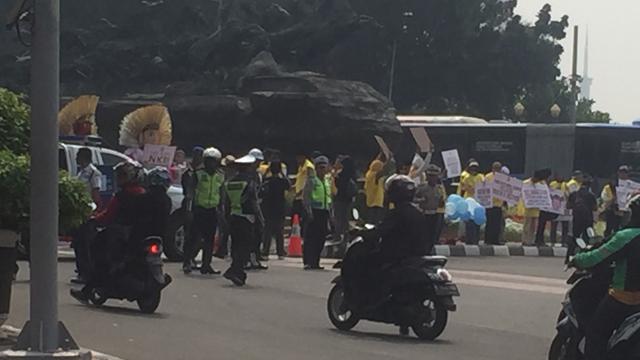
301	177
489	178
463	176
573	185
468	185
374	186
531	213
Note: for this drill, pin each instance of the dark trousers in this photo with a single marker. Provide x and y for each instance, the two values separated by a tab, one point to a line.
494	225
554	231
82	238
580	226
7	268
472	233
273	228
342	214
242	233
434	224
298	208
614	222
315	235
205	224
258	235
223	240
609	315
544	218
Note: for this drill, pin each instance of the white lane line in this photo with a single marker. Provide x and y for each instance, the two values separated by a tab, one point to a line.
555	290
507	277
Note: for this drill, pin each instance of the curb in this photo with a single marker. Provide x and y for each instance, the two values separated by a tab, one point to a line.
499	250
12	333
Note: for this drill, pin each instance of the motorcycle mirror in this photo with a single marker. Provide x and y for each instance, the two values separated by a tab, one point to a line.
581	243
591	233
356	214
93	206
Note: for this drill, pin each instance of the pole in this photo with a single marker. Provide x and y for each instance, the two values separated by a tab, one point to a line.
392	75
45	79
574	77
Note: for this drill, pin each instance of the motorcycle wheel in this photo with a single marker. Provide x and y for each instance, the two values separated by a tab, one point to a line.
341	317
432	329
97	298
560	348
149	303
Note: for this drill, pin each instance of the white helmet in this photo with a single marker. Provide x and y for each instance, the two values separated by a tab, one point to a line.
256	153
212	153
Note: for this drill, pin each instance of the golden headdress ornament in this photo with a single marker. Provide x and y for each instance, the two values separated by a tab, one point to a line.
153	117
78	117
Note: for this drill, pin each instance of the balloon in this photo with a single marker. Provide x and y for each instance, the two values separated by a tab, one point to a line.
472	204
462	207
450	209
454	198
480	216
465	216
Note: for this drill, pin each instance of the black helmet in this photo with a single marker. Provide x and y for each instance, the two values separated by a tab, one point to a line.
400	189
130	172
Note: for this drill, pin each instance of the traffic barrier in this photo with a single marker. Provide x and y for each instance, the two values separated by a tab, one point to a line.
295	240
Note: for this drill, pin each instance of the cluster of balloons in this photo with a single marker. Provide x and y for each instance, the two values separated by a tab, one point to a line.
459	209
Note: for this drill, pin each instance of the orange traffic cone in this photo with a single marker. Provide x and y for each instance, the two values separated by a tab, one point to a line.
295	240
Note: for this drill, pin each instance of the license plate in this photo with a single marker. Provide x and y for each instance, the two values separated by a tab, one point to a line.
447	290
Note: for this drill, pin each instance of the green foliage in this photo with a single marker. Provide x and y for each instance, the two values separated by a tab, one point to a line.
586	114
14	122
14	187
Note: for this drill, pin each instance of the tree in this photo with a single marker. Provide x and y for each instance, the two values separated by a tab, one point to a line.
585	113
14	122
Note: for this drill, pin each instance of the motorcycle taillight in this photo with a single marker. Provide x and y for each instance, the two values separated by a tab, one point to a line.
154	249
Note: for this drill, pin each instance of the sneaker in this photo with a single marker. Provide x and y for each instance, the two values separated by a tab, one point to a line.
186	269
208	270
78	280
236	279
80	295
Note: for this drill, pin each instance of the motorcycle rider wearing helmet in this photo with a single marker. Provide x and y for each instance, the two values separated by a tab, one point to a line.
623	248
208	182
158	183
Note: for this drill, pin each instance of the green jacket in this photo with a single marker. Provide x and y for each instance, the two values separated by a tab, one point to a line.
207	189
623	249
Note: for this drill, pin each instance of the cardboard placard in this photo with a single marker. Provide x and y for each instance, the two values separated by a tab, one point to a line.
158	155
507	188
558	203
536	196
484	194
383	146
422	138
452	163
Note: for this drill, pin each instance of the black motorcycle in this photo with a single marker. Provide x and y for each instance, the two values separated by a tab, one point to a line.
588	288
138	277
419	294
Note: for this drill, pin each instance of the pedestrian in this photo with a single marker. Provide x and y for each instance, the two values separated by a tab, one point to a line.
178	166
255	259
346	191
317	201
418	168
531	215
559	184
92	179
374	189
222	248
464	175
430	197
544	216
305	169
273	192
582	203
208	183
189	193
468	187
494	213
242	210
613	215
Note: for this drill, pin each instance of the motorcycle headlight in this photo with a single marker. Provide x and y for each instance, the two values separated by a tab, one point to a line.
444	275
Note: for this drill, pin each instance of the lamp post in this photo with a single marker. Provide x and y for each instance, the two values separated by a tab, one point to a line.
519	109
555	111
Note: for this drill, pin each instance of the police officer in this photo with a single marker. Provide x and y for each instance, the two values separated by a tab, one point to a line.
208	183
242	210
317	201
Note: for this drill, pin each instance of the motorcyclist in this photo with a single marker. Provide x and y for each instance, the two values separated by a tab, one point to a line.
623	248
123	219
158	183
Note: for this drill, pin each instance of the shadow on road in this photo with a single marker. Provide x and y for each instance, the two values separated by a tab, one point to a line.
390	338
122	311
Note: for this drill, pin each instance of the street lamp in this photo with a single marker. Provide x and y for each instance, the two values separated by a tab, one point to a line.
519	109
555	111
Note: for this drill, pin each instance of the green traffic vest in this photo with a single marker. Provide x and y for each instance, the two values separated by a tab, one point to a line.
321	194
208	189
235	190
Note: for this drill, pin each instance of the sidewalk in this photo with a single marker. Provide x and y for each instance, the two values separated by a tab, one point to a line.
9	335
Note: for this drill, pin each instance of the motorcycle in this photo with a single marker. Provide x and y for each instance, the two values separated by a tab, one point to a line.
587	289
420	295
138	277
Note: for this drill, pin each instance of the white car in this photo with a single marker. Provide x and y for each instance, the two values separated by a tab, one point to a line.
174	240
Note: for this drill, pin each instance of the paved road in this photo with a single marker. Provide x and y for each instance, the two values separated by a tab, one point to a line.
506	311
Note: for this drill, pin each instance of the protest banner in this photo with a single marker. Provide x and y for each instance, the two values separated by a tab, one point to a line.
484	194
624	190
452	163
158	155
422	139
384	147
507	188
536	196
558	203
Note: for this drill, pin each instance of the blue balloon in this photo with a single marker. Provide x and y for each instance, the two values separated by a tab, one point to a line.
454	198
480	216
465	216
462	207
450	209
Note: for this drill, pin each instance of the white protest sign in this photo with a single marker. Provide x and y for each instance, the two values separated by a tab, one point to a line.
624	191
422	139
383	146
507	188
536	196
158	155
558	203
484	194
452	163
